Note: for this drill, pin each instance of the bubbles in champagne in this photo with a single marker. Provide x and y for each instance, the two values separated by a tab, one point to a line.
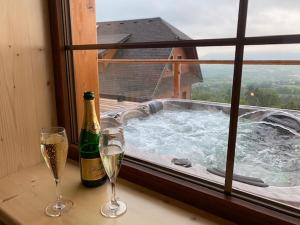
54	150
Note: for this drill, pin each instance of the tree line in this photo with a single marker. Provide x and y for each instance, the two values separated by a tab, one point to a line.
251	94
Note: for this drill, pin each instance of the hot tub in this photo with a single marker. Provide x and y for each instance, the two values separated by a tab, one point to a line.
268	145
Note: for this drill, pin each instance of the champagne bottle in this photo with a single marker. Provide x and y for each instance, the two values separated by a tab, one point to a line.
91	168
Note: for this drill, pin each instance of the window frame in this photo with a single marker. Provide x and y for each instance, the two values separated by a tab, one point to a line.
218	199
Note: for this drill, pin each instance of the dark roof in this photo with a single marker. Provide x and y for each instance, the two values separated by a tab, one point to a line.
112	38
137	80
142	30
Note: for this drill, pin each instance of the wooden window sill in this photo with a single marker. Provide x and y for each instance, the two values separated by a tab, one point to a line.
23	196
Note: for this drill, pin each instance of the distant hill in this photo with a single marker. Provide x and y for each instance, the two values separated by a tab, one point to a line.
257	56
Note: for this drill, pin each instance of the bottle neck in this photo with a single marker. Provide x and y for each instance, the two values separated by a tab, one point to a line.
90	120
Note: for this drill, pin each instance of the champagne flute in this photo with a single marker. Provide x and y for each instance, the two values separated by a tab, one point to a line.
112	152
54	148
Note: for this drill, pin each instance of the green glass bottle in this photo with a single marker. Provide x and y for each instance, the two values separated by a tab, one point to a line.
91	168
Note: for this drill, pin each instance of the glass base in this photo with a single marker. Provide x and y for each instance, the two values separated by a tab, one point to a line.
58	208
112	211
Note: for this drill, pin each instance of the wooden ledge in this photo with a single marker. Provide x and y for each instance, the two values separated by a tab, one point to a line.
24	195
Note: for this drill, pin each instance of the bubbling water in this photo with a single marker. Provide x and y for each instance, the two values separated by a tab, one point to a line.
263	150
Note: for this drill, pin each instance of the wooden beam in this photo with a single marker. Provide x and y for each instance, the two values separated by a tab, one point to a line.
235	96
262	40
64	86
83	14
176	79
196	61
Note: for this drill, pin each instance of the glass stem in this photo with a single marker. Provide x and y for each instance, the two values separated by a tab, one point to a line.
113	195
58	192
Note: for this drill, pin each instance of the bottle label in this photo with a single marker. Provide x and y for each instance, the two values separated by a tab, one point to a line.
91	169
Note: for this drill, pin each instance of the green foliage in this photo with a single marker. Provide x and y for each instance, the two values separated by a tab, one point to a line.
266	85
217	94
292	103
261	96
252	94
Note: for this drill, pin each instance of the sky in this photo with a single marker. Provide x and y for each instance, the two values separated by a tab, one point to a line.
216	19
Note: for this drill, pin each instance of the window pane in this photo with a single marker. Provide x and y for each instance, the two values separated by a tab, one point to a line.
170	129
273	17
166	20
268	141
273	52
217	79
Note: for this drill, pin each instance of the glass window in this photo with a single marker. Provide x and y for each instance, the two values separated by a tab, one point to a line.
217	78
273	17
170	130
176	115
268	141
166	20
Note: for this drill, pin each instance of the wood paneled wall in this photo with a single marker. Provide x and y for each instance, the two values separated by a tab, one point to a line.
27	100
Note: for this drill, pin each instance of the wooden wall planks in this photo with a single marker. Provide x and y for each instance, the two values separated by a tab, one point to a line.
27	100
83	20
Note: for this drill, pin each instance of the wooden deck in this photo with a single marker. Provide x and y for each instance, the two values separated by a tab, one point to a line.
107	105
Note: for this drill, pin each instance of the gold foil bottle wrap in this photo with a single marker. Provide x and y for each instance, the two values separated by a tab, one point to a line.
90	121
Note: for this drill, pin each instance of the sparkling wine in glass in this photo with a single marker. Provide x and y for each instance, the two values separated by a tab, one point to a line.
112	152
54	148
